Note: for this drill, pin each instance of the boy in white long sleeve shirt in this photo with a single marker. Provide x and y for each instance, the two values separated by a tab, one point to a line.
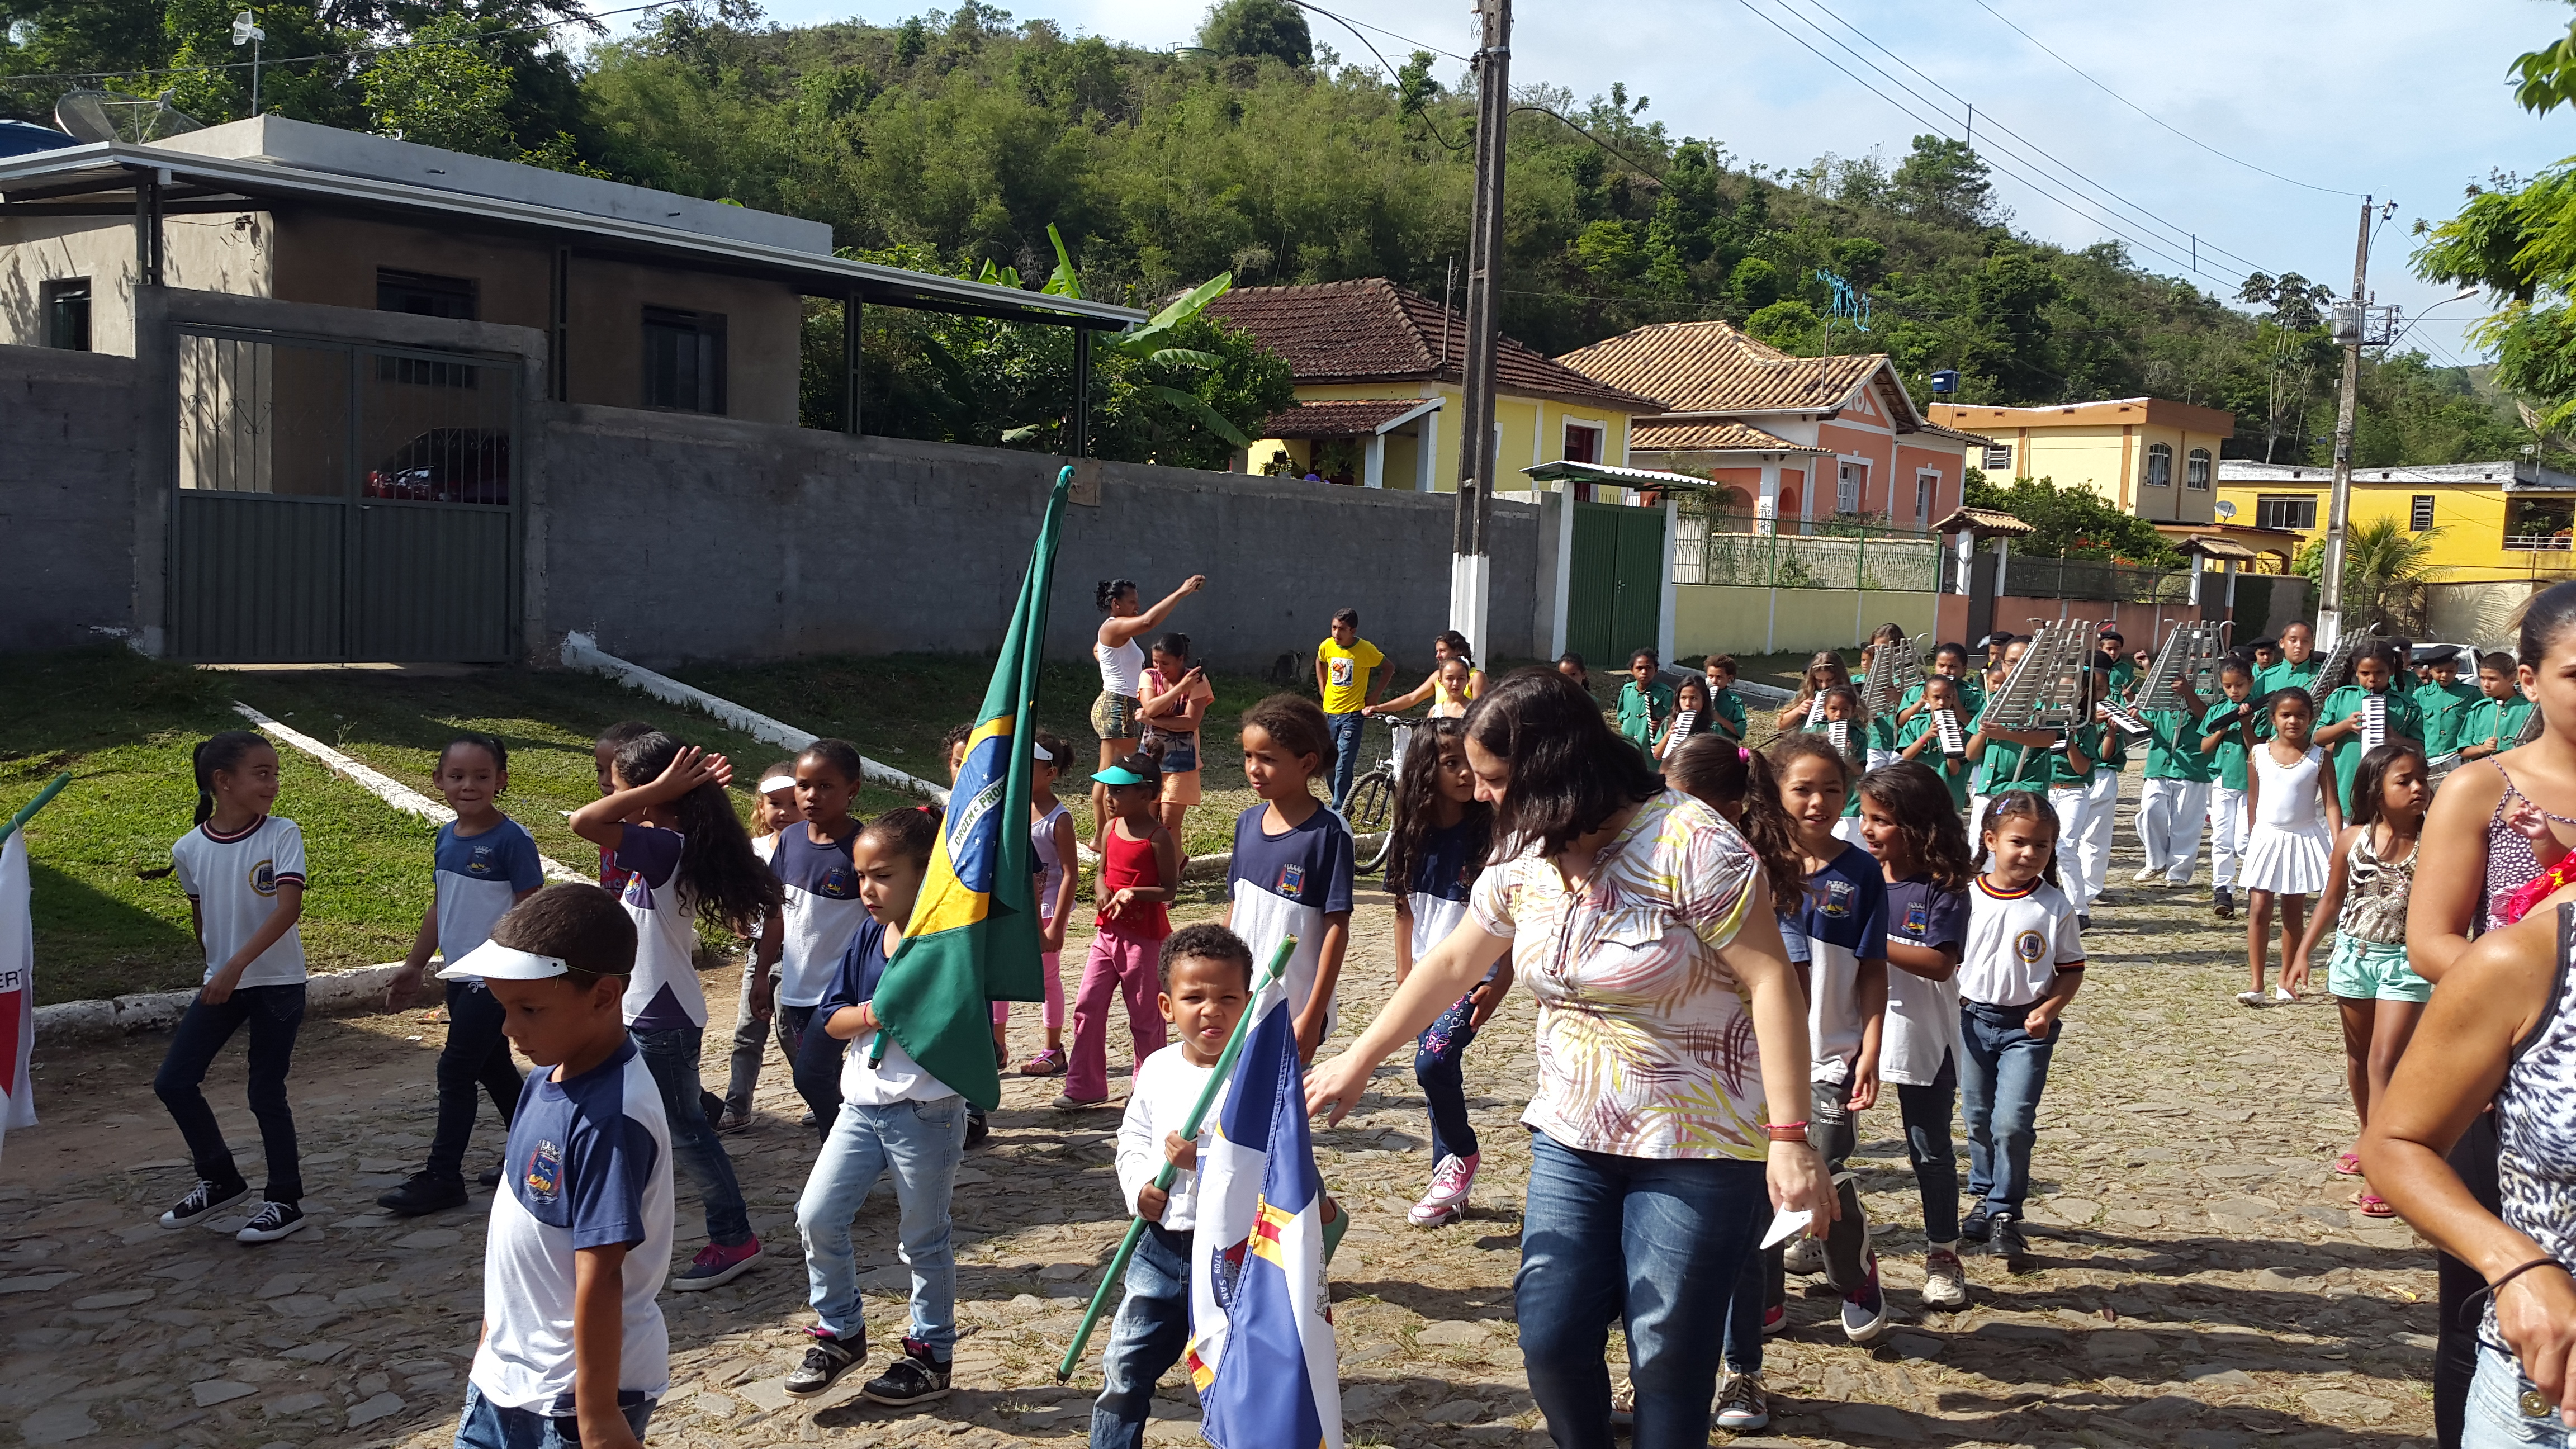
1207	982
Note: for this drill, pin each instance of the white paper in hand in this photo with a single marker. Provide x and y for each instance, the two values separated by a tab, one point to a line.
1788	1224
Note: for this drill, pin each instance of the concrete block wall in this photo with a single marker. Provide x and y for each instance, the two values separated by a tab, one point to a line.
673	537
68	425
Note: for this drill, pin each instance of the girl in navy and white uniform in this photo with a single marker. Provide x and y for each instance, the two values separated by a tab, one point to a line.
1442	836
243	870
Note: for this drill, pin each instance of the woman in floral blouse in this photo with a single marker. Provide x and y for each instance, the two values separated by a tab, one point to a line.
1668	1017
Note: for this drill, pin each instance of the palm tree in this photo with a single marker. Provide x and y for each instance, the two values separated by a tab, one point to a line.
2384	563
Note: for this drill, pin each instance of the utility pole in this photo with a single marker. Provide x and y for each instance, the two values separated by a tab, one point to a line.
2350	324
1471	569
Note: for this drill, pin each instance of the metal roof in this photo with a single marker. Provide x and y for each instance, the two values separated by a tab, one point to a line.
1621	477
79	180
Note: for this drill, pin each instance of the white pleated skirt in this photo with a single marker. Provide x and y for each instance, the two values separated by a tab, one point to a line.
2286	862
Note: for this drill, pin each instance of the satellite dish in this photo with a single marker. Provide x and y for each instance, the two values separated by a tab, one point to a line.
115	116
2225	510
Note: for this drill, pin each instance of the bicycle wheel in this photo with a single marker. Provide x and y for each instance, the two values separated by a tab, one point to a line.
1370	814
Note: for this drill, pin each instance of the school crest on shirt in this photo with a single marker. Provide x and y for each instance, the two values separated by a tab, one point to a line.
1292	882
1835	900
2029	946
263	878
840	883
544	1179
1918	918
481	862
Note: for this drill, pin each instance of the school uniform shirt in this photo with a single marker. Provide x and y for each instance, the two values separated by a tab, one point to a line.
2122	673
1953	773
2085	740
2173	747
664	993
2404	718
2017	943
1843	920
2008	766
1346	673
477	878
2286	674
1443	880
1644	712
234	880
1727	705
896	1077
1922	1015
1287	884
822	909
1166	1087
2227	761
588	1166
2446	709
2499	720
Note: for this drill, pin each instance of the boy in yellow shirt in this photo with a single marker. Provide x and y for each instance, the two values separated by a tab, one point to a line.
1346	665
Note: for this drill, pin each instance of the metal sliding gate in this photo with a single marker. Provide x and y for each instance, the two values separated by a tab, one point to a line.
342	501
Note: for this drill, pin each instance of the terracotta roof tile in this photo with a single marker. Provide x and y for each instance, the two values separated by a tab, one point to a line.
1353	418
1646	437
1704	367
1372	330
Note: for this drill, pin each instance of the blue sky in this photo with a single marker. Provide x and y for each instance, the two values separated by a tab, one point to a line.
2396	98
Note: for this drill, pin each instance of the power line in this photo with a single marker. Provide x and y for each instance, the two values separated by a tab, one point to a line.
1391	75
1355	26
2145	215
2152	116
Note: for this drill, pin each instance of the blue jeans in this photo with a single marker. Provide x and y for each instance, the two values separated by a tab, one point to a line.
274	1014
1927	1142
814	1060
2006	1070
475	1060
919	1145
1437	1057
486	1425
1153	1328
672	1057
1647	1241
1346	730
2495	1417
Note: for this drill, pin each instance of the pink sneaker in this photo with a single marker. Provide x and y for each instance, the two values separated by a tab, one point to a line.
1447	1200
715	1266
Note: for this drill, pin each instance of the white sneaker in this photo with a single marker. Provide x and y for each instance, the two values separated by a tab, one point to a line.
2249	998
1446	1202
2282	993
1804	1255
2149	874
1945	1282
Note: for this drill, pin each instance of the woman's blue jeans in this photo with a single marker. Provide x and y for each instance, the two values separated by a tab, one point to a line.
1654	1244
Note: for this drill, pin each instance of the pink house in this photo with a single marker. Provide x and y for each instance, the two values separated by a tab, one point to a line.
1797	439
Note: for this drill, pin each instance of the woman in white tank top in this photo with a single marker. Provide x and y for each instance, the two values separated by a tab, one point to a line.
1116	716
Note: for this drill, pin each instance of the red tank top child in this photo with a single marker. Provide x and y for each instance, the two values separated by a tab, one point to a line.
1131	863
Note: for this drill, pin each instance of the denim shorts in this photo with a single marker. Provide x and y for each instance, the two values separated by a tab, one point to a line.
2374	971
2499	1409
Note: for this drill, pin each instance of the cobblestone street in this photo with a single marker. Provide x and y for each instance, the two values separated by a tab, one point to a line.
2201	1279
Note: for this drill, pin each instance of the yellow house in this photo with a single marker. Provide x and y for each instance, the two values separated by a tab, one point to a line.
2153	458
2487	522
1378	372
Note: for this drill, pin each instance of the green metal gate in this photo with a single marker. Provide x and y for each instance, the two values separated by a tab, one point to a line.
1615	587
339	502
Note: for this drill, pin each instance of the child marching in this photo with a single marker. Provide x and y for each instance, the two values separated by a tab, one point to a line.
2020	968
1292	864
2291	800
1140	864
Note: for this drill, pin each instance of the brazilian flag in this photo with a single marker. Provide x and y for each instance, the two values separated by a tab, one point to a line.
973	938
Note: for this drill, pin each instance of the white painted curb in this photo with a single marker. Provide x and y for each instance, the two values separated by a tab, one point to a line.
157	1010
581	651
379	784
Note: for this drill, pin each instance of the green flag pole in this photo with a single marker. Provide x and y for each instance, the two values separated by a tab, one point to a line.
43	798
1189	1132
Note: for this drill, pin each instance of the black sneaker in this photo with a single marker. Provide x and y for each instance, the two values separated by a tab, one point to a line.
423	1192
2008	1243
1979	1221
204	1201
826	1359
491	1176
915	1378
977	1127
2223	902
710	1106
275	1220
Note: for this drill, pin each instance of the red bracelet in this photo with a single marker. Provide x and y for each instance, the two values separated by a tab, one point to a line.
1795	1131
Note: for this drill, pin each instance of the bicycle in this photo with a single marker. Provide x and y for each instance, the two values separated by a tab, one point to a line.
1370	809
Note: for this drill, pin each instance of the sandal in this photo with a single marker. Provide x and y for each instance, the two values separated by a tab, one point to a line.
1048	1063
2372	1205
2348	1165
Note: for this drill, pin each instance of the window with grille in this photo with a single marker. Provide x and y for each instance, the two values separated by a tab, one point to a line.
2420	517
684	360
2159	465
1849	483
66	305
2196	470
1999	460
424	295
2296	513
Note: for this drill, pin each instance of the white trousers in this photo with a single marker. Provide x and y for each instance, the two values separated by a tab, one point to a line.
2170	816
2227	828
2101	807
2074	807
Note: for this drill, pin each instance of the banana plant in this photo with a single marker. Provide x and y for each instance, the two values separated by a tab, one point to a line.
1146	343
